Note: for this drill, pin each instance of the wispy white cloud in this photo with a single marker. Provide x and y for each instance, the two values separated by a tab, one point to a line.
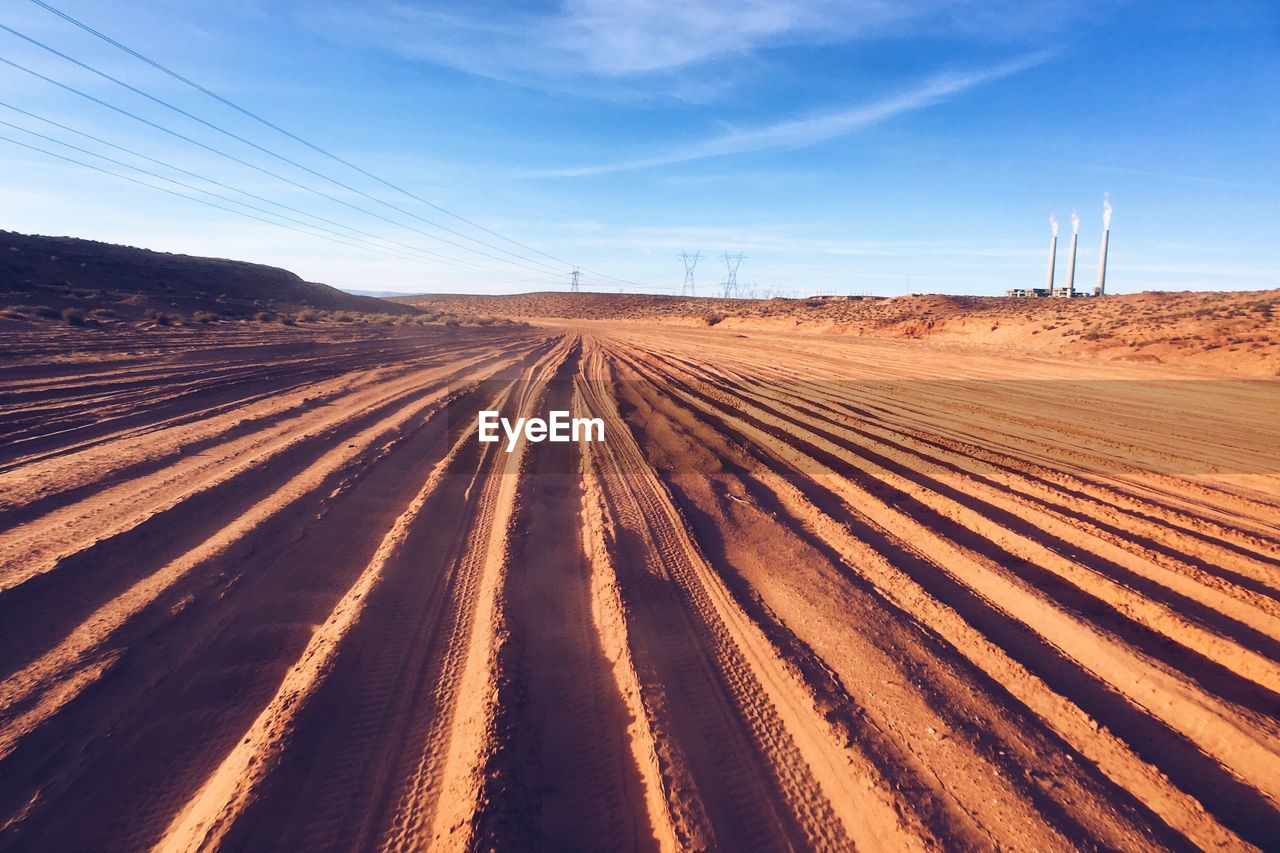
618	37
799	133
610	45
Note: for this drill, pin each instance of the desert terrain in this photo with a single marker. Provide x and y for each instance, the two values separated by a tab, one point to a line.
1225	332
831	581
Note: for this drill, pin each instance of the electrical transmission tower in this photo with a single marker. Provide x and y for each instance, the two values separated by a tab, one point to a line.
574	287
731	263
690	261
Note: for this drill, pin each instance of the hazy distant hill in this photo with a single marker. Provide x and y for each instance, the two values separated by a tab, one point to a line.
65	272
377	294
1236	331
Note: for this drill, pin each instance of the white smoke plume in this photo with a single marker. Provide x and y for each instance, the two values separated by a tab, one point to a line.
1075	222
1053	223
1106	211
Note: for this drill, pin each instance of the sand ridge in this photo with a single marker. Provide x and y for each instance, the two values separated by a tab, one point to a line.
813	591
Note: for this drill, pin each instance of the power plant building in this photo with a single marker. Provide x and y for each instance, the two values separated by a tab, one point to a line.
1050	291
1045	293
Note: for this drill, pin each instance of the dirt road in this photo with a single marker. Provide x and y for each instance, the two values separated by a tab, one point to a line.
268	591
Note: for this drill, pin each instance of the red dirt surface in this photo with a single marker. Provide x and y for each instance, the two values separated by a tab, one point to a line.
255	592
262	588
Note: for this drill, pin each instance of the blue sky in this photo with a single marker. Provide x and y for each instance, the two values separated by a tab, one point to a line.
849	147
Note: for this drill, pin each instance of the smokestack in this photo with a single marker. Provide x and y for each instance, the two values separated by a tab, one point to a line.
1102	264
1071	266
1053	250
1106	234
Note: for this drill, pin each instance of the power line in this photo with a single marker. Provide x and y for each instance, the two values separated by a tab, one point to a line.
249	113
268	151
208	203
257	168
214	182
258	118
451	261
456	262
227	199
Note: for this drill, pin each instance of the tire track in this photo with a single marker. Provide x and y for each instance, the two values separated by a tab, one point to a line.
564	776
275	595
1241	801
709	658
